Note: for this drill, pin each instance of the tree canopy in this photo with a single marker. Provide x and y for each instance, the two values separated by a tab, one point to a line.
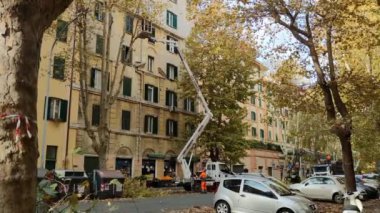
222	57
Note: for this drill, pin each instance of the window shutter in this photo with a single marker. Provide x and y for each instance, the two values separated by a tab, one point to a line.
175	72
125	120
168	71
192	106
123	53
127	86
167	43
175	99
167	17
167	98
49	108
167	127
63	111
155	94
155	125
185	104
174	21
95	115
146	123
92	80
99	44
146	92
108	81
175	128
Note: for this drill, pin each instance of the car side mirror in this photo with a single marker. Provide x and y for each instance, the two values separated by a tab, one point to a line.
306	184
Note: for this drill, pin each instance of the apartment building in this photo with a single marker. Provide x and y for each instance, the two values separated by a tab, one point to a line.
148	121
266	132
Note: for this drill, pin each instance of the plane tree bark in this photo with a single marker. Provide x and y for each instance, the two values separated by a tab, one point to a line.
22	25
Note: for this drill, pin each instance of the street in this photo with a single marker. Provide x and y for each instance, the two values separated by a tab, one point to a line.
151	205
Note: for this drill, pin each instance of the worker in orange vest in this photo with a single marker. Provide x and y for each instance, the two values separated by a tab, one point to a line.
203	177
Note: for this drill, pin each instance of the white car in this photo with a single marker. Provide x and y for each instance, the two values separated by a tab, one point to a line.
321	188
250	194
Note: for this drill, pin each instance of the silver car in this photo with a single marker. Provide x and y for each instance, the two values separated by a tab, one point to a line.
321	187
258	194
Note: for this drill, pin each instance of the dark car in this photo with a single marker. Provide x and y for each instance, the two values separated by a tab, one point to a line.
369	192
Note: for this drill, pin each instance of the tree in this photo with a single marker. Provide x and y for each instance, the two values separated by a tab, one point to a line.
223	60
320	28
112	69
23	24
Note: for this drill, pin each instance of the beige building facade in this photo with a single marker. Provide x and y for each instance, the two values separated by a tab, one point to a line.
148	121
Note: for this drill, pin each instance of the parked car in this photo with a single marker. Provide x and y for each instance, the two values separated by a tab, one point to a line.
258	194
366	191
321	188
371	179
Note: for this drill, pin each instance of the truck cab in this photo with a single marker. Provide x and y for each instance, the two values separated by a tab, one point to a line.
321	169
218	170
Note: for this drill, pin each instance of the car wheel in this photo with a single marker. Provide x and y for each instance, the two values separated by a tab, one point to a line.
285	211
338	198
222	207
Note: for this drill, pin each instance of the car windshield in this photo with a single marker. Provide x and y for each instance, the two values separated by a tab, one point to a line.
224	168
320	168
279	189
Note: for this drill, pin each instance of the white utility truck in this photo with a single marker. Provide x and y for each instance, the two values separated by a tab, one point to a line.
215	170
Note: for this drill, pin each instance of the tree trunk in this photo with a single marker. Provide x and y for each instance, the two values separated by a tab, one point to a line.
22	24
348	163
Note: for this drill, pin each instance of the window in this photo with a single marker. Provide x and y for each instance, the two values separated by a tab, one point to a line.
61	33
148	26
171	71
96	79
150	63
99	44
253	99
170	46
95	115
254	187
270	135
270	121
99	11
262	134
151	93
232	184
190	128
129	24
151	124
125	120
171	98
253	130
253	116
260	104
260	87
276	138
171	128
127	86
127	55
188	105
51	157
59	68
171	19
56	109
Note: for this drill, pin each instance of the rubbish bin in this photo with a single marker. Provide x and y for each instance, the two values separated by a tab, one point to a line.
75	181
104	185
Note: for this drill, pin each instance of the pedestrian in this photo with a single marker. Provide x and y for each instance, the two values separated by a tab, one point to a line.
203	177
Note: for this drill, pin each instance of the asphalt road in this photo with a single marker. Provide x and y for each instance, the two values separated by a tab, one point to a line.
152	205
